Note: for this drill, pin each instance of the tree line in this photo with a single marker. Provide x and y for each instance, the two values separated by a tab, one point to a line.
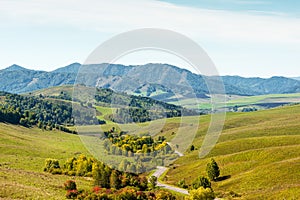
108	183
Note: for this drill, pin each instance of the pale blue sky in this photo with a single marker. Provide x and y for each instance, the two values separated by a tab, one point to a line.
286	7
243	37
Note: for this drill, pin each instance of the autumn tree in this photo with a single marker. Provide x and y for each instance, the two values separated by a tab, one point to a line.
201	194
114	180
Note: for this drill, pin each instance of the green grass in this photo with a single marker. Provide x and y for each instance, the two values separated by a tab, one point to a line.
54	91
259	150
235	100
295	97
23	152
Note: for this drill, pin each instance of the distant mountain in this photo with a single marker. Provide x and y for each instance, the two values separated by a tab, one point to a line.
72	68
158	81
15	67
260	86
296	78
16	79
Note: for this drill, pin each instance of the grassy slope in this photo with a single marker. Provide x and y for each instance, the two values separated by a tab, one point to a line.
23	152
233	100
54	91
259	150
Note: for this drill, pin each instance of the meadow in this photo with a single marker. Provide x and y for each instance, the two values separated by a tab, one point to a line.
258	154
23	152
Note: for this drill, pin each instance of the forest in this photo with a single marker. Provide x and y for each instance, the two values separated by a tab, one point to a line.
31	111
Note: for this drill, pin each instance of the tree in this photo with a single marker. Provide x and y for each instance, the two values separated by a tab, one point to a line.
201	181
213	170
70	185
101	174
165	195
114	179
153	181
202	194
192	148
51	164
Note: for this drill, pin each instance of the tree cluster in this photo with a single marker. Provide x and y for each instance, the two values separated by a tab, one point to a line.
102	174
133	143
127	193
31	111
140	115
144	152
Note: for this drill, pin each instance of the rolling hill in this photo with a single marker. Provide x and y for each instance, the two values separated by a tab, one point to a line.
258	155
23	152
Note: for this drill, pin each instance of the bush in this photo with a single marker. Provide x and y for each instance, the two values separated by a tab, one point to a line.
201	194
71	173
182	184
192	148
56	171
201	182
153	181
70	185
165	195
51	164
71	194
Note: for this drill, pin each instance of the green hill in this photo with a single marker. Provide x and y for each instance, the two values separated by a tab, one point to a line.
258	154
258	150
22	156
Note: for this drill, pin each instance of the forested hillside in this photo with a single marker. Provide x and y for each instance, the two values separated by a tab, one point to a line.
53	109
31	111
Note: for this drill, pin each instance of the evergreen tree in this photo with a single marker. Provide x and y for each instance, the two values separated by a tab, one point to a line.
213	170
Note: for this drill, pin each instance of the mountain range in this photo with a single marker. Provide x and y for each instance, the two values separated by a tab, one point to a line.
159	81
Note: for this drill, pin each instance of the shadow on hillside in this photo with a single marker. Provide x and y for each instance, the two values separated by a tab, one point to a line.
222	178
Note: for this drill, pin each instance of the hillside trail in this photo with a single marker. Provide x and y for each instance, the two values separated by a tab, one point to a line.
160	170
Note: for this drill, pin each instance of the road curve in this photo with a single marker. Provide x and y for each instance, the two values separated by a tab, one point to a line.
160	170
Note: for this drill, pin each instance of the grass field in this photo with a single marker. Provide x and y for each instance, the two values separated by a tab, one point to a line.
54	91
235	100
201	103
23	152
260	151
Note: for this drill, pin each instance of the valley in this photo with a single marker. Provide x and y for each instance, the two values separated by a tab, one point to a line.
253	150
257	152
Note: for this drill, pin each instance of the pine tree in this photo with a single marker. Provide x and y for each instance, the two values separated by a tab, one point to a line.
213	170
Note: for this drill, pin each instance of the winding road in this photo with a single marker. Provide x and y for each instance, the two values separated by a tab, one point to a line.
160	170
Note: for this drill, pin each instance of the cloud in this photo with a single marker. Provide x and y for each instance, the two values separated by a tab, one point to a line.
256	43
116	16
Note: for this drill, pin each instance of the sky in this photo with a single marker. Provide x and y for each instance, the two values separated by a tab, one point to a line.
251	38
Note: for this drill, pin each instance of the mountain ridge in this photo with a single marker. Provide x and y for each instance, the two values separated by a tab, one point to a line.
155	80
